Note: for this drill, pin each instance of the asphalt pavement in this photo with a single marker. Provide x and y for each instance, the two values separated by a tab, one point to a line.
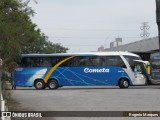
101	98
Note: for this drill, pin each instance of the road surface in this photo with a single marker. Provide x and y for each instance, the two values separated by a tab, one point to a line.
139	98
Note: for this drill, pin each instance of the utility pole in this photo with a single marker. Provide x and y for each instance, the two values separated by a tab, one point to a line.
158	19
144	28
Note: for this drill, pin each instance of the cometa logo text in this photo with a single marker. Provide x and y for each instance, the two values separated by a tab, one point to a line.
103	70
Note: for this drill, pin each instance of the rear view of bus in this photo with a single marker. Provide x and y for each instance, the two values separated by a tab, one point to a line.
155	68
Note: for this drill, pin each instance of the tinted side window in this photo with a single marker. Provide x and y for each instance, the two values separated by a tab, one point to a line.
70	63
23	62
115	61
97	61
77	61
38	62
30	62
83	61
45	62
53	61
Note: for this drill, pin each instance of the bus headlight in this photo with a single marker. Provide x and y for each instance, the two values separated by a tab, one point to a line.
140	76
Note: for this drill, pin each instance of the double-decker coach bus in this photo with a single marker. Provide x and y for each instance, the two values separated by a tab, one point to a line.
80	69
155	68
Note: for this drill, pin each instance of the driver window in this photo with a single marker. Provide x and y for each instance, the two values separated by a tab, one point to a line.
138	68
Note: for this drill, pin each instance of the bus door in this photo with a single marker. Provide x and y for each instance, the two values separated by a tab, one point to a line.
140	73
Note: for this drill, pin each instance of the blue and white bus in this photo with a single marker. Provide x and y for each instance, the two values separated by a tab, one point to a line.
155	68
80	69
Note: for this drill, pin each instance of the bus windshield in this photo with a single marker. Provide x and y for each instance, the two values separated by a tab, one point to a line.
139	68
130	60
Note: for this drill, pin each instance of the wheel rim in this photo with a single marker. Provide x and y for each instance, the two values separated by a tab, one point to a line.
39	84
125	83
52	84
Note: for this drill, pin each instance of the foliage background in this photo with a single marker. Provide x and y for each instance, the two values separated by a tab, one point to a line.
19	35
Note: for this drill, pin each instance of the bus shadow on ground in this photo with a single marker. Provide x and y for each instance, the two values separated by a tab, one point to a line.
90	88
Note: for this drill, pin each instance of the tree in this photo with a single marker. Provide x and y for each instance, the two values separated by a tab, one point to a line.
43	45
15	28
54	48
18	34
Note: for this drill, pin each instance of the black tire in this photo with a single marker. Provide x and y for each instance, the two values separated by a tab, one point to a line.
39	84
53	84
123	83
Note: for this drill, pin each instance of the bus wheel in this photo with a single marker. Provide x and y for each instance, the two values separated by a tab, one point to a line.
39	84
123	83
52	84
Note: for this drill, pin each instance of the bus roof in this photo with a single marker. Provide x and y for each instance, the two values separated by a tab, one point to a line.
82	54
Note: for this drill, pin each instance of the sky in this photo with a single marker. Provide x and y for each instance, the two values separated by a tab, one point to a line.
85	25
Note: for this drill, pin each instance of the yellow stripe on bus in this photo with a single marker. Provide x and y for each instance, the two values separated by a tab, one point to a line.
149	68
53	68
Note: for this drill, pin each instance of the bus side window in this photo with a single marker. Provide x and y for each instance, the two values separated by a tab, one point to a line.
29	62
110	60
103	63
56	60
53	61
35	62
115	61
120	63
83	61
23	62
69	63
95	61
45	62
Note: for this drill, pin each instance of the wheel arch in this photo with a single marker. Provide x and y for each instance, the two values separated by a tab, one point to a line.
52	78
53	83
129	81
37	80
42	81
